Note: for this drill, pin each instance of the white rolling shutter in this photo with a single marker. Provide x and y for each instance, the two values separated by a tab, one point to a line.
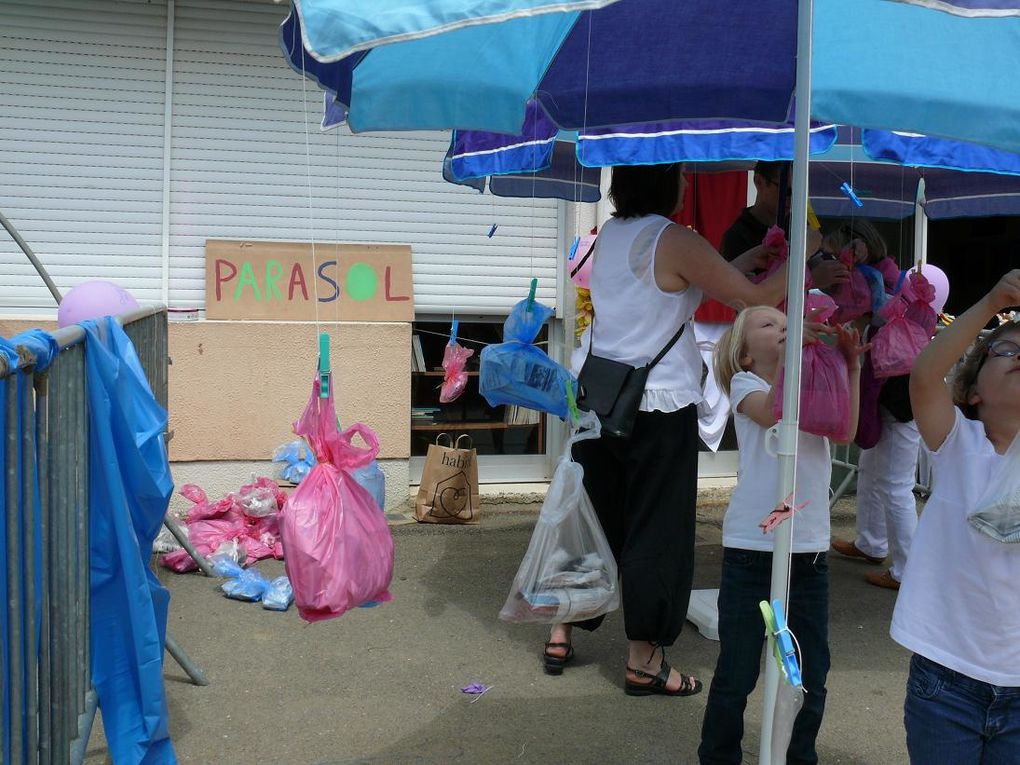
239	170
81	145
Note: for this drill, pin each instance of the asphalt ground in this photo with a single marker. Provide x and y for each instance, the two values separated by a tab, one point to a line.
382	685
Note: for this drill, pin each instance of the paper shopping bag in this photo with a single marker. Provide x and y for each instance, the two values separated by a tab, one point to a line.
449	483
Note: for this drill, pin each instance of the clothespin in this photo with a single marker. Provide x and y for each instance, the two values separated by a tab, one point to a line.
324	365
492	230
453	331
531	293
847	189
786	650
782	511
812	219
575	415
573	248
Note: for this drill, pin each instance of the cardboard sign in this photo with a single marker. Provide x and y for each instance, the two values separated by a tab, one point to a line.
281	281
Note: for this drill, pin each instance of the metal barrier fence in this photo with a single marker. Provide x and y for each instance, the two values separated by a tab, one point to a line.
50	700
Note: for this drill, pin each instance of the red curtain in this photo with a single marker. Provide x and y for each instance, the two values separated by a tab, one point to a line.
711	203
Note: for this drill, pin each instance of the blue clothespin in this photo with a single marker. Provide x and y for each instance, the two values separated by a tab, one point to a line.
573	248
492	230
531	294
847	189
785	642
453	331
324	365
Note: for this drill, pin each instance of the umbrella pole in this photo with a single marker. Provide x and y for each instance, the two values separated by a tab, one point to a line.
31	257
788	426
920	227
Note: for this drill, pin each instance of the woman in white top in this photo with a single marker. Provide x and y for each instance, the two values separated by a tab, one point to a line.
958	608
648	277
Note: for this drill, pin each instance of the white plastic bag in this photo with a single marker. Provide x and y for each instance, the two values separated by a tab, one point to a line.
998	511
568	573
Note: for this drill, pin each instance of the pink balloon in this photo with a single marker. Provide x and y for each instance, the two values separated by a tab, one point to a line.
582	275
93	300
940	282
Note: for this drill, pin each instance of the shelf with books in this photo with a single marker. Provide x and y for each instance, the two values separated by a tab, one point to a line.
494	430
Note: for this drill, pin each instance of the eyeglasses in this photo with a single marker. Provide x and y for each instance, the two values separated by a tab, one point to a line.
1005	348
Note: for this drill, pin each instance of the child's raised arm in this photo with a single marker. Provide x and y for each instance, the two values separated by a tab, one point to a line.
930	397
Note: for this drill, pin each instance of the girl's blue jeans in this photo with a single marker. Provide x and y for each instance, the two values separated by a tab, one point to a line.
953	719
746	577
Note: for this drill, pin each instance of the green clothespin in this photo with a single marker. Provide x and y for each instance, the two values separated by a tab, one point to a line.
575	414
531	293
324	365
770	632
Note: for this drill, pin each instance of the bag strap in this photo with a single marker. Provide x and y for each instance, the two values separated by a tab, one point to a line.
659	356
575	269
471	444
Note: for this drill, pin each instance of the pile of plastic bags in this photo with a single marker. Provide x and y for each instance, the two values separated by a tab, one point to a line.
243	524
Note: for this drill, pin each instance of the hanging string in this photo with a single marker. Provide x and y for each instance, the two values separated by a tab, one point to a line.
336	233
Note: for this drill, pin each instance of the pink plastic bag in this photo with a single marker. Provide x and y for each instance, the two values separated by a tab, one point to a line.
824	392
455	358
898	343
339	550
852	297
919	293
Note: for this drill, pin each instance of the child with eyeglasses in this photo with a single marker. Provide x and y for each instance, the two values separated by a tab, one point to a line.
959	605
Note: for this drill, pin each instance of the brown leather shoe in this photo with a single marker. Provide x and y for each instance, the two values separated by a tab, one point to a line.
849	549
882	579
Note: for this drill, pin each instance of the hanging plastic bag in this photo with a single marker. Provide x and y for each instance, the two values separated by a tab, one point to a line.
824	392
853	297
517	372
824	380
568	572
789	700
898	343
919	293
455	358
998	513
339	548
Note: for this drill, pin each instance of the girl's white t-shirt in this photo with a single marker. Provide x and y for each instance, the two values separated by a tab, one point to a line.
757	490
959	603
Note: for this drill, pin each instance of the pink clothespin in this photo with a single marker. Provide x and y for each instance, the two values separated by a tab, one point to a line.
784	510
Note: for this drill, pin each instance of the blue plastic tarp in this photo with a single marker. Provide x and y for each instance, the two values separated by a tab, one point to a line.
129	491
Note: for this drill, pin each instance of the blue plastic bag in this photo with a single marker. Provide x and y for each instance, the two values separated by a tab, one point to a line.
517	372
129	492
372	479
296	460
279	595
249	586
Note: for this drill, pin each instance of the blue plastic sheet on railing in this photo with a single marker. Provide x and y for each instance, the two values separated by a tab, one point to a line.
129	491
41	345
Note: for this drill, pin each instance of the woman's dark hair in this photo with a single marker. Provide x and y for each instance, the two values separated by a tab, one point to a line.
637	190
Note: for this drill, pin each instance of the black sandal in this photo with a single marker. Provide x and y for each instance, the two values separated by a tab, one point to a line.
656	685
552	664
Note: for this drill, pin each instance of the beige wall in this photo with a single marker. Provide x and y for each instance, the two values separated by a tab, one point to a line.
237	388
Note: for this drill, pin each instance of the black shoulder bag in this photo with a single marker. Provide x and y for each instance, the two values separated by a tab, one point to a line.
613	390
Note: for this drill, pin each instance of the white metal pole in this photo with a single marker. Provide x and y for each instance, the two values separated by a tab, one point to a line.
788	426
920	227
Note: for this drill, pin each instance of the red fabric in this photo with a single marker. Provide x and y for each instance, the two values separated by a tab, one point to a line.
711	203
